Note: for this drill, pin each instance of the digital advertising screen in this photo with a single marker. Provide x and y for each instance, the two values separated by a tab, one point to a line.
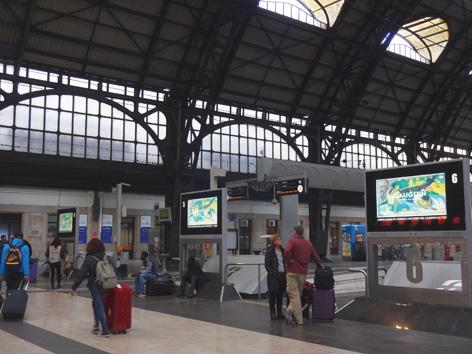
427	197
66	222
201	213
411	197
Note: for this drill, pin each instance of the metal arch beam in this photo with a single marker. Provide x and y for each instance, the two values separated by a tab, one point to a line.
375	144
183	59
25	33
151	45
14	99
314	62
445	126
237	33
354	95
340	70
427	78
92	35
243	120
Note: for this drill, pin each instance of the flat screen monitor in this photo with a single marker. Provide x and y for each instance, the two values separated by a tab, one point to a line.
66	221
427	197
201	213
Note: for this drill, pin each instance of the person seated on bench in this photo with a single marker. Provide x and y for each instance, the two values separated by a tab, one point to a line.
192	280
147	272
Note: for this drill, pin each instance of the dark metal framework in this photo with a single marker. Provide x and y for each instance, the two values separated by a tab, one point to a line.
224	81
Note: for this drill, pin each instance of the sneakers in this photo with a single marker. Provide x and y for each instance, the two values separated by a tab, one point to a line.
103	335
95	330
289	316
140	295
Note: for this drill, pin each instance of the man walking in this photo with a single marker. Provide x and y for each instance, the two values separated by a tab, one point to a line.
298	254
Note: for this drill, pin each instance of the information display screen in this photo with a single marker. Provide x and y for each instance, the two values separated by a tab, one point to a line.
411	197
201	213
66	222
426	197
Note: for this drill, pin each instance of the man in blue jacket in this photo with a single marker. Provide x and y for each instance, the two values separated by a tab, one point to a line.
14	264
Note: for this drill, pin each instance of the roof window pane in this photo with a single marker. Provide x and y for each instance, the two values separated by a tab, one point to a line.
319	13
422	40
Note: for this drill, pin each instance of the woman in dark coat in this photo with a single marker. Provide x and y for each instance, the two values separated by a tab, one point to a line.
276	281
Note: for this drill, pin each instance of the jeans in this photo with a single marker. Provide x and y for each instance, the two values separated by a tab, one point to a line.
141	279
295	283
98	308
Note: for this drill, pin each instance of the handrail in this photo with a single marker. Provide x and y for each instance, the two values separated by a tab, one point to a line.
246	264
363	271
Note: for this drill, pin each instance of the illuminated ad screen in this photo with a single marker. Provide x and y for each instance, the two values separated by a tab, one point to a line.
428	197
201	213
66	223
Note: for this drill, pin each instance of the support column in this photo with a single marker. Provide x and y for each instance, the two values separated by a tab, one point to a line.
411	151
288	216
319	200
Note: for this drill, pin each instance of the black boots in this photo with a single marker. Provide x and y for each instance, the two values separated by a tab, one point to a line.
273	316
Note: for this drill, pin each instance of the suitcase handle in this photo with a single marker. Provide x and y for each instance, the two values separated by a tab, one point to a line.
21	285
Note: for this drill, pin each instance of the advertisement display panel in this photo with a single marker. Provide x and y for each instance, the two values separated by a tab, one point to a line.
426	197
201	213
66	222
412	197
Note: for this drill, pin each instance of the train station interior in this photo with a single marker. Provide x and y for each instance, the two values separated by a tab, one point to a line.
159	158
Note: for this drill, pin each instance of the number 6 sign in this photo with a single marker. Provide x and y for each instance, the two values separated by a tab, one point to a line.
411	263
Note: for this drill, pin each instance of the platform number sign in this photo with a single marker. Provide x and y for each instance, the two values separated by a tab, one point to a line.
454	178
414	268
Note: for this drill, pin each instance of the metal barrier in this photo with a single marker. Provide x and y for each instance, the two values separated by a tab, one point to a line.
363	271
246	264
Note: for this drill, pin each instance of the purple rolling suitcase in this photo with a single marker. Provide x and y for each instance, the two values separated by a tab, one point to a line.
324	304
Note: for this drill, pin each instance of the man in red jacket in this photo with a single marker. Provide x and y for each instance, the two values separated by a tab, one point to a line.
298	254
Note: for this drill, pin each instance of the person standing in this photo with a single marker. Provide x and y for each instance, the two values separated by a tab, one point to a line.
95	253
55	254
14	264
276	277
298	254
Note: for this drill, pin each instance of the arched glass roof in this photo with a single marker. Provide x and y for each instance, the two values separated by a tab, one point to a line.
422	40
319	13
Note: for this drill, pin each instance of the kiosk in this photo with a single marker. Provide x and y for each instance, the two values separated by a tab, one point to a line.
423	213
353	239
203	230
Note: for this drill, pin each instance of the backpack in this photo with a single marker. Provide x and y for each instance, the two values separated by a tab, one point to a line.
13	258
106	277
324	279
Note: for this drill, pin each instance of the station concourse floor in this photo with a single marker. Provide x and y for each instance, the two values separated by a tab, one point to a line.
58	323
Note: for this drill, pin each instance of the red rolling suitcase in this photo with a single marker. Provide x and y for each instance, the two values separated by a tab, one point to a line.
323	304
117	303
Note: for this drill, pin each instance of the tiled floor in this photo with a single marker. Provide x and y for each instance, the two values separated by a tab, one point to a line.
12	344
154	332
59	323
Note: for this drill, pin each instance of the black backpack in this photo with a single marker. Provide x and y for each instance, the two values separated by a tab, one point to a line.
324	279
14	258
